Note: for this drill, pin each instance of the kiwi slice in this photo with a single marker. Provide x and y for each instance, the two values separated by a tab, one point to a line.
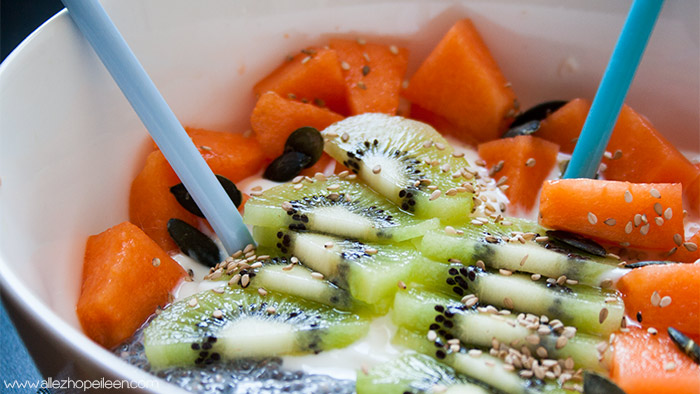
280	274
372	273
422	311
229	323
505	247
416	374
573	305
339	206
406	161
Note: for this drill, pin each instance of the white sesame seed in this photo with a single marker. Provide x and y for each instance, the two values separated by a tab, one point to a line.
319	176
669	366
428	144
655	193
328	245
439	146
401	285
450	230
668	213
655	298
637	220
474	352
345	137
287	206
271	310
155	261
317	275
234	279
610	221
592	218
603	315
262	291
294	260
658	209
345	65
432	336
434	195
508	303
628	196
394	49
248	248
530	162
217	314
193	302
535	277
371	251
690	246
245	279
678	239
665	301
333	187
629	227
218	290
644	230
561	342
607	155
377	169
652	331
305	60
659	221
505	272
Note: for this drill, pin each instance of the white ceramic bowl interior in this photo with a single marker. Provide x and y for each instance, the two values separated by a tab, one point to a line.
70	144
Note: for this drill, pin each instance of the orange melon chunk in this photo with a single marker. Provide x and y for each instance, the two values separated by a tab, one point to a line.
461	81
631	214
525	161
373	74
126	276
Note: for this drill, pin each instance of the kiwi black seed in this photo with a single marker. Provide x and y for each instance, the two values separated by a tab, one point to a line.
185	199
194	243
538	112
286	167
237	323
306	140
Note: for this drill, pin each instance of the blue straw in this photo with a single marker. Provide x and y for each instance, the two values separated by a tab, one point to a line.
613	89
166	130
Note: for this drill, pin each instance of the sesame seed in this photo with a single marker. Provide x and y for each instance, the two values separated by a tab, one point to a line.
678	239
155	261
610	300
371	251
287	267
362	85
248	248
659	221
690	246
668	213
607	155
592	218
474	352
524	259
541	239
637	220
345	137
328	245
658	209
271	310
298	179
542	352
432	336
401	285
525	373
344	65
294	260
245	279
333	187
655	298
610	221
217	314
439	146
669	366
204	147
505	272
428	144
652	331
535	277
603	315
305	60
234	279
480	264
502	180
628	196
319	176
377	169
665	301
366	56
561	280
317	275
508	303
193	302
287	206
530	162
644	230
257	264
262	291
533	339
218	290
629	227
655	193
434	195
394	49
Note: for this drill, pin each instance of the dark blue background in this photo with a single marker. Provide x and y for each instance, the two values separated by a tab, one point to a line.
18	18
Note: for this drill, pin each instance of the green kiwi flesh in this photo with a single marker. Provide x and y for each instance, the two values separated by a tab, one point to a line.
229	323
406	161
416	374
573	304
338	206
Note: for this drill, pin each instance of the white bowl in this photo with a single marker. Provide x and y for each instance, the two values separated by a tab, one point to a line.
71	144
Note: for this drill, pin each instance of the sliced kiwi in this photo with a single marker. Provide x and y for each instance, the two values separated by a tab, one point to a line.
416	374
422	311
372	273
280	274
574	305
507	247
228	323
339	206
406	161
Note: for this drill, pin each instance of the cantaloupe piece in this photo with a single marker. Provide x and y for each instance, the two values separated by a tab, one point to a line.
274	118
126	276
644	215
679	282
311	76
373	74
151	204
461	81
525	161
643	363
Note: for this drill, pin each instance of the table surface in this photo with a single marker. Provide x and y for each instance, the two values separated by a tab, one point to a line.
18	18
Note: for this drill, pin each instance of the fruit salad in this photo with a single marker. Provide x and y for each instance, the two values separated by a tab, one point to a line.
414	227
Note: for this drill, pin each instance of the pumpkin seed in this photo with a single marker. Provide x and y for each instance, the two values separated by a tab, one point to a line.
286	167
687	345
306	140
594	383
576	241
538	112
523	129
194	243
640	264
185	199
